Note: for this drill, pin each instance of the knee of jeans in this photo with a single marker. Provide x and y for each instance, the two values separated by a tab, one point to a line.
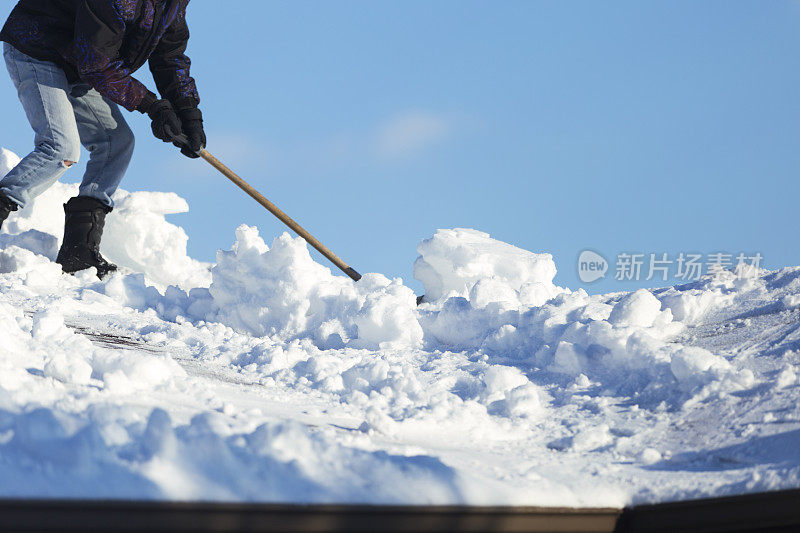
125	139
68	161
66	154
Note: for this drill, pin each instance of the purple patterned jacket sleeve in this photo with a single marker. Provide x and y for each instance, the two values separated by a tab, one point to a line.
170	66
99	32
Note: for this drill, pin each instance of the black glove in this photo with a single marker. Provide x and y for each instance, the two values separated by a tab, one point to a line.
192	122
166	124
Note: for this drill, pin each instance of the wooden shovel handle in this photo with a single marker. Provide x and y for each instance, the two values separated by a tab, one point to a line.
283	217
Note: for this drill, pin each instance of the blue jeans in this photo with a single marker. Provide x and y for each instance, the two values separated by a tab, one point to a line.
65	116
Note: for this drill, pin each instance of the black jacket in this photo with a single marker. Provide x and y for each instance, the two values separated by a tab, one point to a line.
102	42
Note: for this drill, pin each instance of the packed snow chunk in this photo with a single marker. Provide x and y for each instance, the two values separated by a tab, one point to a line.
692	305
454	260
387	318
68	368
509	393
568	359
649	456
281	291
638	309
125	373
786	378
590	438
693	366
139	237
51	335
525	401
501	379
65	352
49	324
593	438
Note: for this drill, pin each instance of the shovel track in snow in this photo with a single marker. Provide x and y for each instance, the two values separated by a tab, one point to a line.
775	511
113	340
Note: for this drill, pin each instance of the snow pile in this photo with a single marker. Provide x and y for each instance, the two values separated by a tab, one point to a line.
315	328
691	303
281	291
500	300
138	237
268	377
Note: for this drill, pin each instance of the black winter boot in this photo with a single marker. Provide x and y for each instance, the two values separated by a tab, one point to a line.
82	233
6	206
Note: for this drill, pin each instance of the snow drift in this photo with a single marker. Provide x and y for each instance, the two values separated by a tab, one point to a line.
267	377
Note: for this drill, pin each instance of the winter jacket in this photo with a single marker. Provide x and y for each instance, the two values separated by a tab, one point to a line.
102	42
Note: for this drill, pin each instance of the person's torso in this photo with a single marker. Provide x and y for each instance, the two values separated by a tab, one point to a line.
46	28
149	20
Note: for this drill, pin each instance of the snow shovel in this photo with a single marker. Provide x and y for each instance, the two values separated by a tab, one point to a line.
272	208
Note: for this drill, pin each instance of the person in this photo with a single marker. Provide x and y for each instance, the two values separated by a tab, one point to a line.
71	62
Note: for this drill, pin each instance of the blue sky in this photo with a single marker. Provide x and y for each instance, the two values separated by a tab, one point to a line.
644	127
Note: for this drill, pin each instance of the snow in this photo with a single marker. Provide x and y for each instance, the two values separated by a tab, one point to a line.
281	291
469	263
268	377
